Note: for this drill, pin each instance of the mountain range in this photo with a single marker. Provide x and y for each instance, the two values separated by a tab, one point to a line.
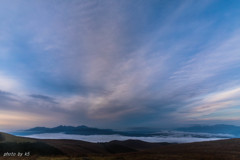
214	129
83	130
79	130
220	130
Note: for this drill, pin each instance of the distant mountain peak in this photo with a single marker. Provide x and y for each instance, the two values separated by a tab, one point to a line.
82	130
216	129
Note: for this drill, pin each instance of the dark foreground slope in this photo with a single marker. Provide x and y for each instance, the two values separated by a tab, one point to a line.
212	150
118	150
12	145
82	148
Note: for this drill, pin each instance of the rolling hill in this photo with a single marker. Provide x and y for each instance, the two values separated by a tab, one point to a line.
14	144
76	148
49	149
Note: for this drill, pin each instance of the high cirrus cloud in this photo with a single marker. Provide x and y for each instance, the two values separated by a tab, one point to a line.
103	63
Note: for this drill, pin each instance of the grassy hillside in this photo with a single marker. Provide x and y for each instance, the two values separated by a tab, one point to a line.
212	150
11	145
4	137
117	150
69	148
82	148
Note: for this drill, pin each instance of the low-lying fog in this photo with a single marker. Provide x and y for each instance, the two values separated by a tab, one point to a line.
185	138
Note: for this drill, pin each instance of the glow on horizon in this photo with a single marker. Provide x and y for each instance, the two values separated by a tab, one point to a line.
20	120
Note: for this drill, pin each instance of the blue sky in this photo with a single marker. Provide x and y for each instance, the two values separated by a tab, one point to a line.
119	64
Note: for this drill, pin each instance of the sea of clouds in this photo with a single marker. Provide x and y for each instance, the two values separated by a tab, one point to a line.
172	138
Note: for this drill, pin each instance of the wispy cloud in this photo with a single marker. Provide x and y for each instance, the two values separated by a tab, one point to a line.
8	83
102	63
220	105
43	98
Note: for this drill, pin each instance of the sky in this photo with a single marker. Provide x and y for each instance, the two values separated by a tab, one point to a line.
119	64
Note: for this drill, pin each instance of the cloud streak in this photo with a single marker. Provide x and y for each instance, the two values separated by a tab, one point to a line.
105	64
